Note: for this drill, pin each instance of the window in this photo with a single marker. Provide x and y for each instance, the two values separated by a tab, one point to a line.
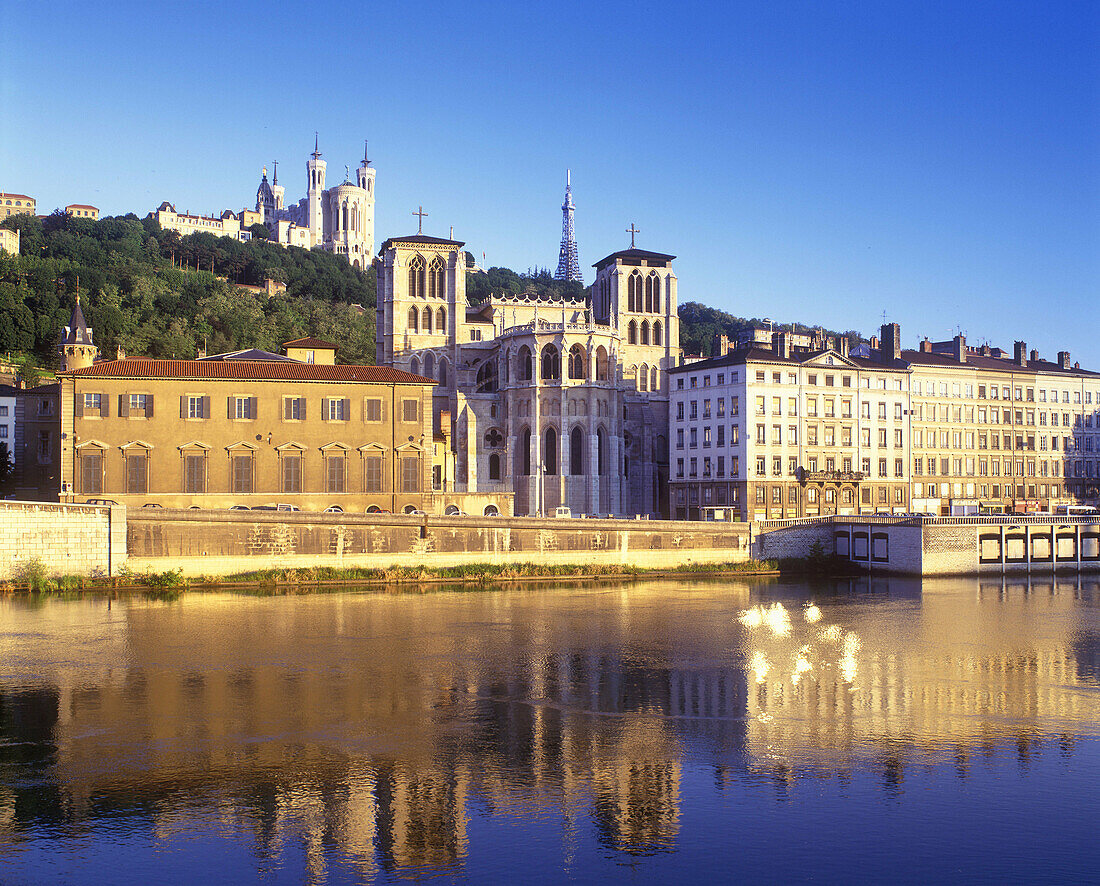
45	447
195	406
336	409
372	473
194	473
292	472
241	473
91	471
92	402
140	403
335	473
242	407
410	411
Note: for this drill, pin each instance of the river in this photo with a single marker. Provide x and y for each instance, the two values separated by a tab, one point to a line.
695	730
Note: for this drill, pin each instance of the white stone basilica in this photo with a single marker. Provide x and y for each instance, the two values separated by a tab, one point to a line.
339	219
561	402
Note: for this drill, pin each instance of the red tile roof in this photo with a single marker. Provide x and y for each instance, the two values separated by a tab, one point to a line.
82	206
23	196
309	342
146	367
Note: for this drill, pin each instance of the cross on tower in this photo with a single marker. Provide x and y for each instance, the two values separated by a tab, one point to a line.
420	213
632	231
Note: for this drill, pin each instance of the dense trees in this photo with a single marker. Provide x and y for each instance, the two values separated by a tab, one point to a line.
156	293
699	326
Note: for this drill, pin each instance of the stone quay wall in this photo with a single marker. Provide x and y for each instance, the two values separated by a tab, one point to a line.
225	542
67	539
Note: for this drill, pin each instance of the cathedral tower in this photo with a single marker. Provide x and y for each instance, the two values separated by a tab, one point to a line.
315	171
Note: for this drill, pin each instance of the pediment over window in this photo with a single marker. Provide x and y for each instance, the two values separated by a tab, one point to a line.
335	447
830	359
136	444
92	444
194	444
290	447
241	445
372	448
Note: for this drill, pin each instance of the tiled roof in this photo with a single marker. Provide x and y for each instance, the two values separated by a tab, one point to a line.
82	206
634	254
146	367
5	195
309	342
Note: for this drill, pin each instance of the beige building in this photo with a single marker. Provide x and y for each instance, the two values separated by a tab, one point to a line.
225	225
82	210
9	241
783	431
16	204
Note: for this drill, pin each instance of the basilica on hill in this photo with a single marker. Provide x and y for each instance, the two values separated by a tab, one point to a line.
557	402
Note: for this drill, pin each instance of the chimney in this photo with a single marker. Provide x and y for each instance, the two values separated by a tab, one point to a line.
200	353
445	423
1063	359
873	343
926	346
987	351
891	342
1020	355
781	344
844	346
958	348
1034	355
121	355
721	344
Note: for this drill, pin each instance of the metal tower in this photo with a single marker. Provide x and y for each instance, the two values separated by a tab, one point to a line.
569	266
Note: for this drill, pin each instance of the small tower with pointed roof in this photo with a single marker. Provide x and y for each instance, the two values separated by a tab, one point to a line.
77	349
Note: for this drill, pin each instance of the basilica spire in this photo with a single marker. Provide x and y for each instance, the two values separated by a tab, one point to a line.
569	267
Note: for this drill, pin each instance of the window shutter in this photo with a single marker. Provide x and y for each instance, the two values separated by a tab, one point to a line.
287	401
206	407
183	406
347	410
78	405
303	401
123	405
105	406
254	404
148	405
229	408
324	410
383	411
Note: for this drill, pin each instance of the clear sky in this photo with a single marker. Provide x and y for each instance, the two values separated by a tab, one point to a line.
812	161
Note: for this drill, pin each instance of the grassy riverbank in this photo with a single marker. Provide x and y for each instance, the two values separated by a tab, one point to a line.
33	580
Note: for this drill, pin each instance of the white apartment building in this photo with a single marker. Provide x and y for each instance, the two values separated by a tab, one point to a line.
784	432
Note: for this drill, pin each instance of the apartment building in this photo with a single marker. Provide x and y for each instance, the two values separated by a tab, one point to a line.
789	431
785	431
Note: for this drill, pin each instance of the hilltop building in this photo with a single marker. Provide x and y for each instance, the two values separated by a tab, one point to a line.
562	402
339	219
16	204
83	210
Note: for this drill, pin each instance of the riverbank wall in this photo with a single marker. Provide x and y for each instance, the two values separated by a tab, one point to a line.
216	543
66	539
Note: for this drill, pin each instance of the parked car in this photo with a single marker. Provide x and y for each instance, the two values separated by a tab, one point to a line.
334	509
562	511
239	508
101	501
151	504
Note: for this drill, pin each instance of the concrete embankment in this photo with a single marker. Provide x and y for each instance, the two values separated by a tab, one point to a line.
64	539
228	542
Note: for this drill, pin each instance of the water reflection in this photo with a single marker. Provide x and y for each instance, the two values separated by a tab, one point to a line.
373	732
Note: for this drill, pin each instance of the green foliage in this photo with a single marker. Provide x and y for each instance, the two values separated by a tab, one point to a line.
496	281
7	468
34	575
161	581
700	325
162	295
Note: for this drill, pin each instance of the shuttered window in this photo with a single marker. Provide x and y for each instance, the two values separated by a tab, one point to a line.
372	473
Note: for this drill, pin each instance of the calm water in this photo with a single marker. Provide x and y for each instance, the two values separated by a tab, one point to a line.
655	732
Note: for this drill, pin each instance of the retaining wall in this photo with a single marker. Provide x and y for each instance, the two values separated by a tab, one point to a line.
226	542
68	539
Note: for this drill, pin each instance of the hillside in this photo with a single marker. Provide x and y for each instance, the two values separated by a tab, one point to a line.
155	293
699	325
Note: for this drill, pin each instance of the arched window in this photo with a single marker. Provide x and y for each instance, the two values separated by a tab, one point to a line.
577	361
494	467
525	456
416	277
576	452
601	363
632	333
414	315
634	292
414	366
487	377
551	363
601	451
645	332
550	452
435	278
441	324
429	365
649	294
428	320
653	386
656	332
443	370
524	363
344	216
656	292
643	378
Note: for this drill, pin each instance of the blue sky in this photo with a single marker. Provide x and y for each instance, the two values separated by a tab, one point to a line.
804	160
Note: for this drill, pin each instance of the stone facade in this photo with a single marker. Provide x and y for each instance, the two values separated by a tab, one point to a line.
563	402
66	539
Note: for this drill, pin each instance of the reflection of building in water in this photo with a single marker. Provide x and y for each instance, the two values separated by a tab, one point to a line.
422	815
965	672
